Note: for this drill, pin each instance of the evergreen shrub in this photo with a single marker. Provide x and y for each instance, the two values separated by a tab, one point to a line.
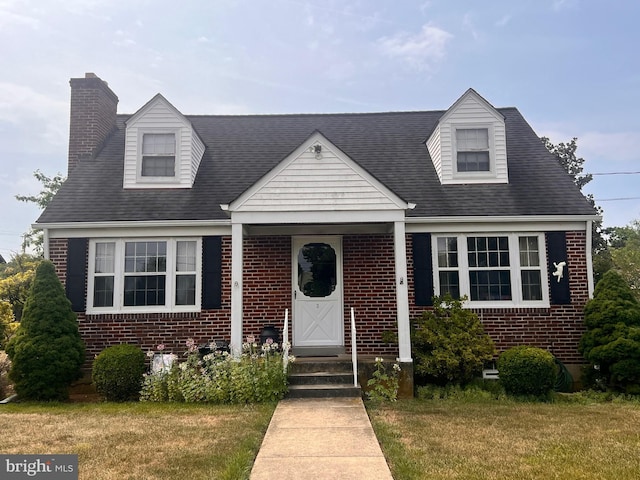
526	370
46	351
449	344
611	343
118	372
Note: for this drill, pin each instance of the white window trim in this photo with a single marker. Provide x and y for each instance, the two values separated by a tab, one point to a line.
158	180
119	274
454	151
514	268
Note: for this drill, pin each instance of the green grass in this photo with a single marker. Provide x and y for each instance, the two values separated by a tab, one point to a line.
140	440
505	439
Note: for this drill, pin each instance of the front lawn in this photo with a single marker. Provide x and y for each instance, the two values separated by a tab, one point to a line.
491	440
140	441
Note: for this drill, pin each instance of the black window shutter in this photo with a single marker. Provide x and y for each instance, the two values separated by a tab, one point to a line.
77	273
557	253
211	272
422	269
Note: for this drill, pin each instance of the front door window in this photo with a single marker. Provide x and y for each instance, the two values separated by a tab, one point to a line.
317	271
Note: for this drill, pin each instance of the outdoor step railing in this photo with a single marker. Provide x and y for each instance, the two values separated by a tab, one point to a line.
285	341
354	349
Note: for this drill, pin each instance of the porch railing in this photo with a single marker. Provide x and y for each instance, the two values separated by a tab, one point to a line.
354	349
285	341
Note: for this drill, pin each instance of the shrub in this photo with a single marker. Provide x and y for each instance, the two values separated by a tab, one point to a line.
449	344
5	365
526	370
46	351
256	376
118	372
611	343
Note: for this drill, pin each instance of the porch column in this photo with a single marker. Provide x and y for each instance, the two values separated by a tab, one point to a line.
237	242
402	292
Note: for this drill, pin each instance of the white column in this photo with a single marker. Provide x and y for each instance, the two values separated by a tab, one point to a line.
237	241
402	292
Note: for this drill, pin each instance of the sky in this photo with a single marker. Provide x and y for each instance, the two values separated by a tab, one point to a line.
571	67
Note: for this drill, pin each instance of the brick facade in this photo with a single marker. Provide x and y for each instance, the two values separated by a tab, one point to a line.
369	287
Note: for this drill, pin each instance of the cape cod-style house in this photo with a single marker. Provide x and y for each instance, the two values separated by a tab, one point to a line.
174	226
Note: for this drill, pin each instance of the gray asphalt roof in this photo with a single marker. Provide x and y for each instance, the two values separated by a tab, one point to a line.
390	146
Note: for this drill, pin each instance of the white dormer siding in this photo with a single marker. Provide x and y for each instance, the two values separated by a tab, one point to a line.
318	177
159	117
470	114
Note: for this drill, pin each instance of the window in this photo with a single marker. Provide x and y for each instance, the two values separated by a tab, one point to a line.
472	146
145	275
158	155
104	274
501	269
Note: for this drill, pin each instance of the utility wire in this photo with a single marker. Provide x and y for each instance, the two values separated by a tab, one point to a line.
615	173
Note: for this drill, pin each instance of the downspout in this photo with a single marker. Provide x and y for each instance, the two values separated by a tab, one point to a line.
45	243
589	253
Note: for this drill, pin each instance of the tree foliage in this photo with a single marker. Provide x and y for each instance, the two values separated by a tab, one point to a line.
50	186
611	343
450	344
15	281
566	153
46	352
624	247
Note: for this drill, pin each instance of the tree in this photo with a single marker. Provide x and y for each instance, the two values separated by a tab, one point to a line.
624	246
573	165
15	281
50	186
611	342
46	352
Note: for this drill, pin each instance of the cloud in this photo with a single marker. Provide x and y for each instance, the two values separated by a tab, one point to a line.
613	147
23	107
420	51
559	5
504	20
602	151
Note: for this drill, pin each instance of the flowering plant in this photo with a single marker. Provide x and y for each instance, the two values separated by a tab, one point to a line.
384	385
255	375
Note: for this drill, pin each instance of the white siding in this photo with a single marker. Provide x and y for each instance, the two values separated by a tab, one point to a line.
159	116
306	183
470	111
434	145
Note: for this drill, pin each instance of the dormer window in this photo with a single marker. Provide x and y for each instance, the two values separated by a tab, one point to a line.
469	143
158	155
473	150
162	148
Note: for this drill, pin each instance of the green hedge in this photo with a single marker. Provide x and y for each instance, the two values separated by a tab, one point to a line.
526	370
118	372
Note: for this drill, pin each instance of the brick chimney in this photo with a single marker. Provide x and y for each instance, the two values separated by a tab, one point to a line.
93	117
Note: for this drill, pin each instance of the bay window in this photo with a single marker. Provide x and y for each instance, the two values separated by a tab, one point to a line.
144	275
492	270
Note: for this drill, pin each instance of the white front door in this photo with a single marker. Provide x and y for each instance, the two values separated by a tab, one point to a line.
317	291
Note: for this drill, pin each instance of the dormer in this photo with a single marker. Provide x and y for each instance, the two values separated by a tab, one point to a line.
469	143
162	149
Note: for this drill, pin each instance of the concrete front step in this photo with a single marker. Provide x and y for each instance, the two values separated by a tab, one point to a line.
322	378
315	378
323	391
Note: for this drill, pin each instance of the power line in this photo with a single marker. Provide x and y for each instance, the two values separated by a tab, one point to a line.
616	199
615	173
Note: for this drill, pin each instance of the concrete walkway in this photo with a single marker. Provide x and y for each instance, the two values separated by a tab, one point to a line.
320	438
